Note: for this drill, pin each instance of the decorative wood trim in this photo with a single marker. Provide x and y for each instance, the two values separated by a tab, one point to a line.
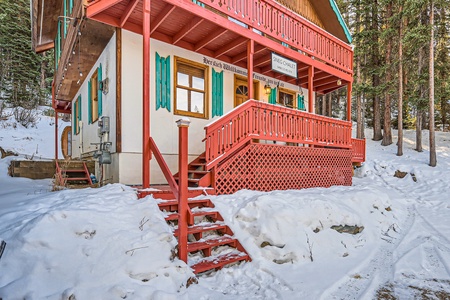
118	90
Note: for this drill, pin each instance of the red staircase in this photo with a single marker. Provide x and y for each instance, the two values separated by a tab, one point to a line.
211	243
198	176
73	173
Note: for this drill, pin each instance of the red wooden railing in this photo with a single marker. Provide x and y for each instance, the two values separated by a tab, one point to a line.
359	150
164	168
275	20
258	120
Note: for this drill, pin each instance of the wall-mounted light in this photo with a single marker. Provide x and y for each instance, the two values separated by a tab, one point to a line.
339	82
267	89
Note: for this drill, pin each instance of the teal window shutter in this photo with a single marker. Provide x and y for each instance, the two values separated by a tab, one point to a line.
70	6
301	102
167	83
89	102
273	96
198	3
162	82
217	93
75	117
99	91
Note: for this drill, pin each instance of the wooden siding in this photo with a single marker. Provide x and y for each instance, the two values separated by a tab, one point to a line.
305	9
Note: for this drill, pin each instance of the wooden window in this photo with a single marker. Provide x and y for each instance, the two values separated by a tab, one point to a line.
191	88
286	98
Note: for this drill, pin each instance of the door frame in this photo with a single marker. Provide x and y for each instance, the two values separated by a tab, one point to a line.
242	79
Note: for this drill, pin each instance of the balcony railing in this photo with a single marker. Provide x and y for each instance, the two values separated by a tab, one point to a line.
263	121
277	21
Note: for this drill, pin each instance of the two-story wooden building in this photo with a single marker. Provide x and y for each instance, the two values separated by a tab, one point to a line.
144	64
245	73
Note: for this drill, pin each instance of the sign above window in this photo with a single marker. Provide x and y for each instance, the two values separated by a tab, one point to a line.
283	65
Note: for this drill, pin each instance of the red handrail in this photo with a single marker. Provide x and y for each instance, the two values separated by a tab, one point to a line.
164	168
259	120
359	150
275	20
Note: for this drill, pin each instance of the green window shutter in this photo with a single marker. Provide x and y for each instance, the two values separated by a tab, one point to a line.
162	82
273	96
167	83
65	20
158	81
217	93
89	102
99	91
301	102
75	117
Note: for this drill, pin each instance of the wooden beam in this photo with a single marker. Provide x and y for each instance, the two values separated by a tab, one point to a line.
263	61
243	55
99	6
107	19
166	11
325	81
194	22
210	38
130	8
44	47
230	47
310	90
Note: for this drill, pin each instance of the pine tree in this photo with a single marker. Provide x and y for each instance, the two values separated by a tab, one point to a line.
20	67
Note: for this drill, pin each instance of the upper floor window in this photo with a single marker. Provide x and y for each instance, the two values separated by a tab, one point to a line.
93	113
191	88
286	98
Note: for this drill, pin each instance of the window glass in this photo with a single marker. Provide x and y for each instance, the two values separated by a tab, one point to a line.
286	98
191	88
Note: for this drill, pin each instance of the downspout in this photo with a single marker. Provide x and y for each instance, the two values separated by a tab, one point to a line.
146	95
42	20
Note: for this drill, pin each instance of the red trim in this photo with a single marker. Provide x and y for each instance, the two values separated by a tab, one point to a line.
99	6
250	50
210	38
146	95
164	168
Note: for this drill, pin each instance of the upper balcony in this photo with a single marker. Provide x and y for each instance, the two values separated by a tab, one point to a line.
221	29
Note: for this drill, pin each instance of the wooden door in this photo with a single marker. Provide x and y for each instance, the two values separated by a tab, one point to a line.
241	90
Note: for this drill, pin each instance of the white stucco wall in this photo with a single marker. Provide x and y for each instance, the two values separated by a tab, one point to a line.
163	127
82	143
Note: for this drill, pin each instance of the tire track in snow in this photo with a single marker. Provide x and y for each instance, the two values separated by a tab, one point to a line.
379	269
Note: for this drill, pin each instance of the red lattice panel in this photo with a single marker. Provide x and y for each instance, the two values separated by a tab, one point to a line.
265	167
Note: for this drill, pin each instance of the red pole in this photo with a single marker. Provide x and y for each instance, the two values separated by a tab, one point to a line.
310	90
250	51
146	95
349	101
56	135
183	125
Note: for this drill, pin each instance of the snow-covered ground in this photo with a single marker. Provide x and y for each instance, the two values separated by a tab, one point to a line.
105	244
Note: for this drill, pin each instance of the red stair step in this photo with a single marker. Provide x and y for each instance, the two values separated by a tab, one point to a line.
218	241
73	171
76	178
203	228
219	261
214	214
172	205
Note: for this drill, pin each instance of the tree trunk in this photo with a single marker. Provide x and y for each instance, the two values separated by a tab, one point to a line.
419	117
387	136
377	135
400	87
329	104
433	160
324	106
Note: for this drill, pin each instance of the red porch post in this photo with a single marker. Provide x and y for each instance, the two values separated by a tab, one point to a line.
250	52
56	135
146	94
183	125
349	101
310	90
